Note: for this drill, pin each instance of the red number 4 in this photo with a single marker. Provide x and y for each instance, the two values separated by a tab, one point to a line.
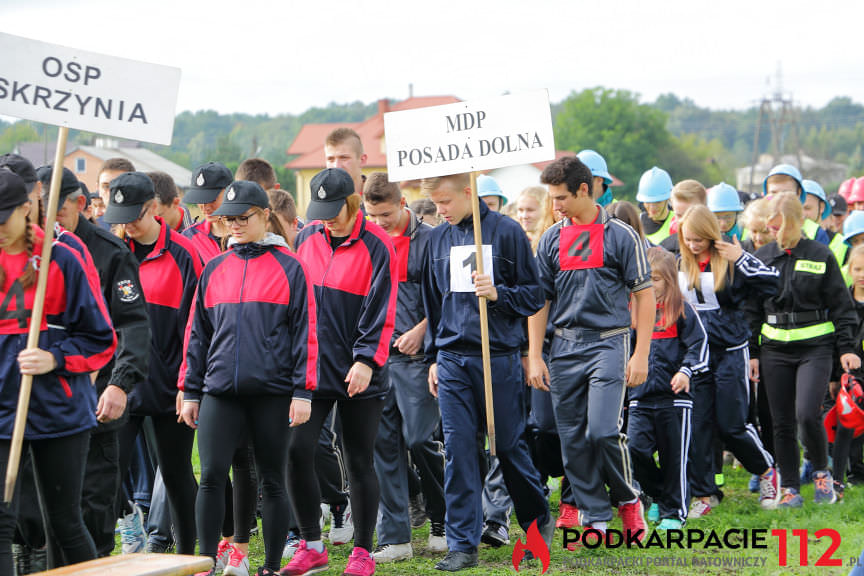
825	560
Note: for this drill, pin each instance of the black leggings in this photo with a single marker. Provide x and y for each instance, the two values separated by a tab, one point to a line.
59	465
173	445
795	380
359	420
224	423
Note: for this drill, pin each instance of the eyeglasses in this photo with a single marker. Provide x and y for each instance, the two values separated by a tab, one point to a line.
142	214
240	220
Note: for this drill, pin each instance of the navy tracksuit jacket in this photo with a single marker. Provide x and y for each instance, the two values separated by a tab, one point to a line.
355	294
78	333
452	309
659	419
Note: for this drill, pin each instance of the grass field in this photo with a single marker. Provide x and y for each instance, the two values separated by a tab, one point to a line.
739	510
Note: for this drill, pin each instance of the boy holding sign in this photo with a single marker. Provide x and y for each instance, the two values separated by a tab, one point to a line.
450	289
590	264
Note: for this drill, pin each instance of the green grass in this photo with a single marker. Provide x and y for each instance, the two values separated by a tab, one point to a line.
740	509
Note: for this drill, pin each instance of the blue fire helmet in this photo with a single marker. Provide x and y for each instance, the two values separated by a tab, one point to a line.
487	186
812	187
785	170
724	198
655	185
596	163
853	225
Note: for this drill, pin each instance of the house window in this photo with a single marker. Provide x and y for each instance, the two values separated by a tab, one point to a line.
80	165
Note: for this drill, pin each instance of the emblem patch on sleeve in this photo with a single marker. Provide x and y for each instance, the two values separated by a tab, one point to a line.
127	291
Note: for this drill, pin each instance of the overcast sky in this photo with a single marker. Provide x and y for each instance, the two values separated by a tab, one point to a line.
284	56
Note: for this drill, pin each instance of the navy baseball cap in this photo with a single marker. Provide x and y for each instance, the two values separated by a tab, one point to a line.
208	181
13	193
240	196
838	204
129	192
20	166
69	184
329	189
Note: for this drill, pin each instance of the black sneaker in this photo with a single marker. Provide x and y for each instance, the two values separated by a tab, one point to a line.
495	535
455	561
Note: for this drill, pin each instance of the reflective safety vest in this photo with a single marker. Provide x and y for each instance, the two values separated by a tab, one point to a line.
796	334
840	248
664	232
810	228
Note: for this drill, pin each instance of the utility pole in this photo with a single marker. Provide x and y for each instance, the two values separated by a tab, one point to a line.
779	112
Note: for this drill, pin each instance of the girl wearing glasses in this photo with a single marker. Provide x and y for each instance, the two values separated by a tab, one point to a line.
251	366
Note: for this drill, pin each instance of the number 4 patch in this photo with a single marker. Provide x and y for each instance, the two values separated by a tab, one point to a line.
581	247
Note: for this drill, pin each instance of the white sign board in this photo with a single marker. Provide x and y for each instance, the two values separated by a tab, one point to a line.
87	91
469	136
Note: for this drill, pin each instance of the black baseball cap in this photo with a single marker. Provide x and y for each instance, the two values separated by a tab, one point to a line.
240	196
329	189
69	184
208	181
129	192
838	204
13	193
20	166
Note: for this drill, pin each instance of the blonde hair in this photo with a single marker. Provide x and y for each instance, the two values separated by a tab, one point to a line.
757	210
701	222
538	193
787	205
458	181
663	264
854	253
353	204
691	191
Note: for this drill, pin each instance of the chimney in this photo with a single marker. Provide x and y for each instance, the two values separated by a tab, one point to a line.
383	106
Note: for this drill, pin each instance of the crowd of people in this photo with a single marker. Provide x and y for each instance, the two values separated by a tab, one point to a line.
330	366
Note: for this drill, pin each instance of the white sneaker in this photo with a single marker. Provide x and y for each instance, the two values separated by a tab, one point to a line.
238	564
132	535
325	515
393	552
437	539
291	544
341	525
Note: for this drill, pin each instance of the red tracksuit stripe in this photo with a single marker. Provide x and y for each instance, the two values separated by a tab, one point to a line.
383	351
269	285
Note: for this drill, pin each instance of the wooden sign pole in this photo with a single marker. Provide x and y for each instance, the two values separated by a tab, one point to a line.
36	316
484	321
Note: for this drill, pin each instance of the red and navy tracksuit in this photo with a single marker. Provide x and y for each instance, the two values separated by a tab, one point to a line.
798	329
411	415
588	273
206	244
721	396
452	309
356	287
659	419
77	331
169	275
252	350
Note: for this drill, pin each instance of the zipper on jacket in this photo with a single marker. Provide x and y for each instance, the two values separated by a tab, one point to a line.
237	332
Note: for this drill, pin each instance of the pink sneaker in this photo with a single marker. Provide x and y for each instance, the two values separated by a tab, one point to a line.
305	561
360	563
